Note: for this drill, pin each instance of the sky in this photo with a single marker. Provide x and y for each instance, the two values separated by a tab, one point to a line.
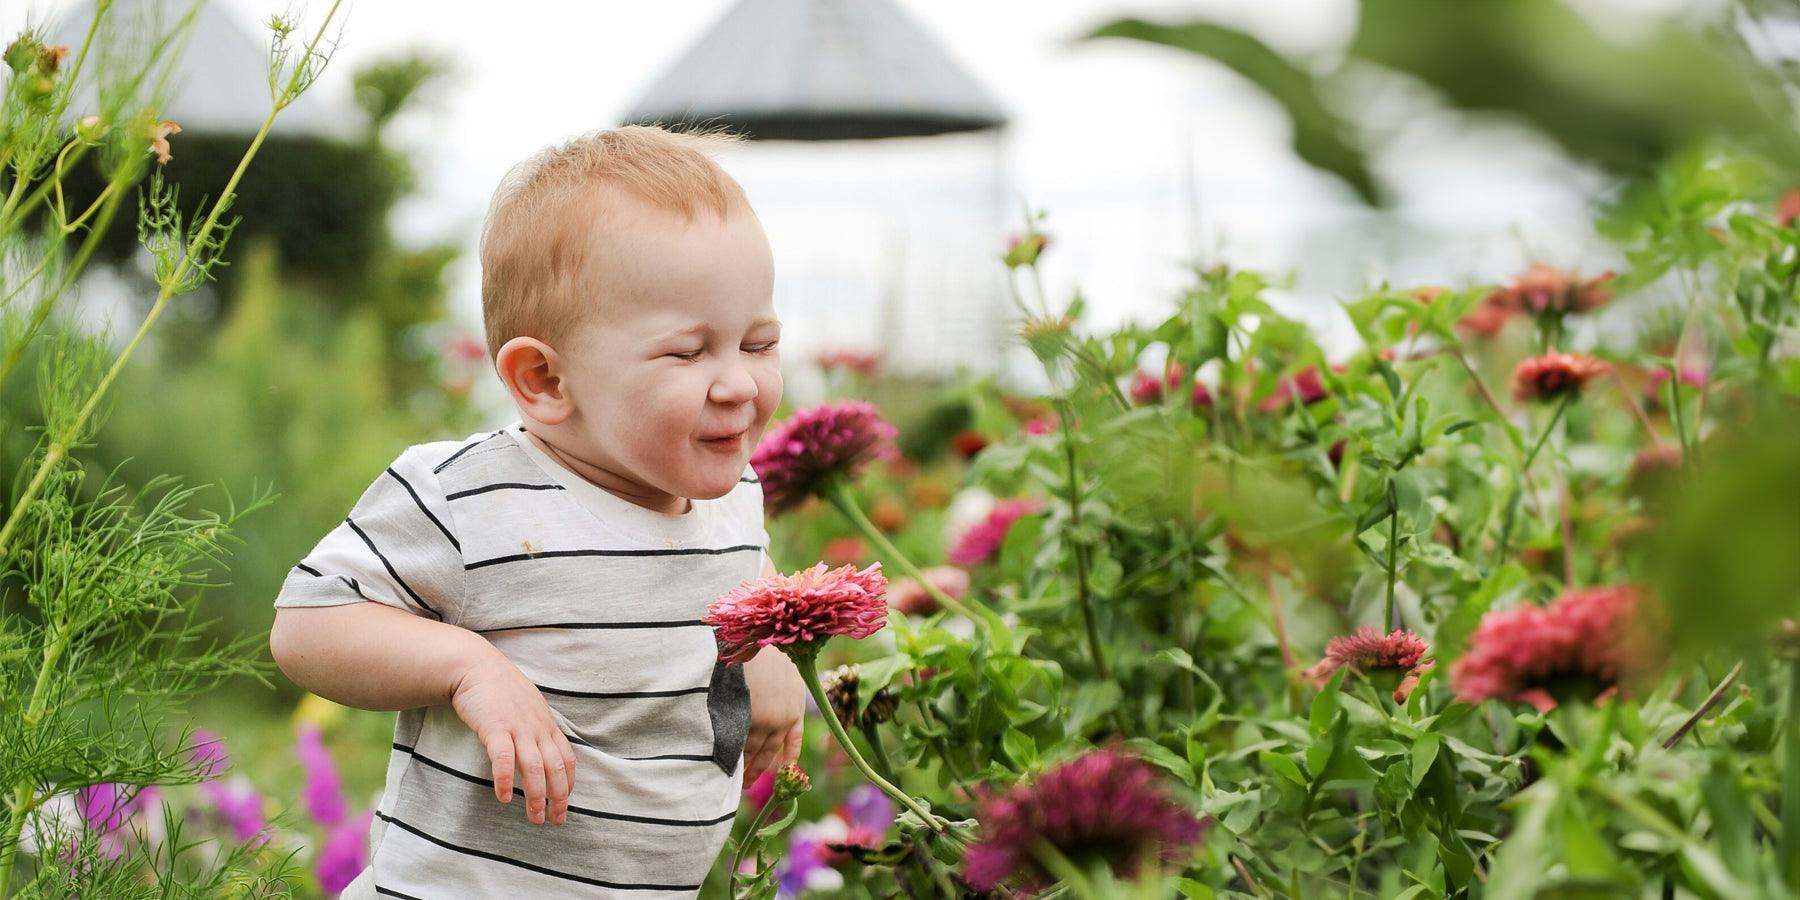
1145	159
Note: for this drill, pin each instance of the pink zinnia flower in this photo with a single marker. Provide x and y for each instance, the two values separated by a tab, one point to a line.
1583	644
800	611
908	596
816	445
1106	805
1489	316
1040	425
1555	375
1147	387
344	854
1370	652
982	540
1660	377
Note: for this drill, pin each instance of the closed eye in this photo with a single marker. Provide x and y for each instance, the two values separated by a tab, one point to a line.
765	348
689	356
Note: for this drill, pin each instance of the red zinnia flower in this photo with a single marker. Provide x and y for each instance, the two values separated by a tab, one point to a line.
982	540
1106	805
1147	387
799	457
800	611
1583	644
1306	385
1554	375
1367	650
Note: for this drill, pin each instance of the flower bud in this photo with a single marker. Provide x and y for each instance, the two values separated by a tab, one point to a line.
791	782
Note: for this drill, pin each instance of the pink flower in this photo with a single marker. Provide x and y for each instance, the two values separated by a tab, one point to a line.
1147	387
1306	386
108	808
1040	425
800	611
982	540
323	792
344	854
1581	645
815	446
758	792
1369	651
207	753
843	551
1660	377
1490	316
1555	375
466	349
864	363
1106	805
238	803
910	597
1789	208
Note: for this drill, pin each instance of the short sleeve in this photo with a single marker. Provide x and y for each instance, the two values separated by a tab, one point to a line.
397	546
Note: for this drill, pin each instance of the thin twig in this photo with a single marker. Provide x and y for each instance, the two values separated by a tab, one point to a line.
1712	700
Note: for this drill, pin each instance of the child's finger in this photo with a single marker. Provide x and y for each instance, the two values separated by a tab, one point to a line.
499	745
790	749
556	775
568	754
531	768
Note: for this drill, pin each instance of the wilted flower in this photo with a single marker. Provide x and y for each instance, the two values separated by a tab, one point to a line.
1370	652
791	782
159	139
842	689
1582	645
982	540
1106	805
910	597
815	445
1555	375
800	611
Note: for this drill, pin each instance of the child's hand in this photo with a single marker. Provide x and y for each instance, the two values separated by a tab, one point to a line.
777	712
513	721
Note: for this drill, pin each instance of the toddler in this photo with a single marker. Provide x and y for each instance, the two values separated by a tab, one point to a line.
530	600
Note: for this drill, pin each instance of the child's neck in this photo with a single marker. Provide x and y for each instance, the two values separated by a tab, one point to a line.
620	487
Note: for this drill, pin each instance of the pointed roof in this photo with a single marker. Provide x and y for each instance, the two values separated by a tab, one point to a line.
220	85
814	70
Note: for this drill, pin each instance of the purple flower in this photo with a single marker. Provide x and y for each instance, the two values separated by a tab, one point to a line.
108	808
207	753
1106	805
237	802
867	806
982	540
323	793
815	445
344	854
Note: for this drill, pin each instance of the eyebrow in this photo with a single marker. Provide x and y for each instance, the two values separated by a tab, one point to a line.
703	327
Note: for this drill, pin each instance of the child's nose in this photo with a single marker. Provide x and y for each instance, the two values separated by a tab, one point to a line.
734	385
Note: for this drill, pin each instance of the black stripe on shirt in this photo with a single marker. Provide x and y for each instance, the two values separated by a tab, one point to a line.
309	570
421	504
503	486
688	757
390	892
623	695
673	623
495	857
390	570
748	480
595	813
551	554
466	448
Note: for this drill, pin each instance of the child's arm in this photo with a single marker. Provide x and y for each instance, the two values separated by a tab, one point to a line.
373	656
777	708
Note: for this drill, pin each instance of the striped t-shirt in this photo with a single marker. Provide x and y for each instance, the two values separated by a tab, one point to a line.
598	601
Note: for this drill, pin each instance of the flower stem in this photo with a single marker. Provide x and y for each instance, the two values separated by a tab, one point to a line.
737	859
1082	593
838	494
1512	503
1387	612
808	665
1790	781
874	738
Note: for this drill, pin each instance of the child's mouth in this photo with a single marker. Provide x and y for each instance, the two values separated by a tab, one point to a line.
725	444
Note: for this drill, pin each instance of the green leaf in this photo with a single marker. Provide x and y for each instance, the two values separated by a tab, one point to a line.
1319	136
1281	765
1019	747
1092	700
1424	753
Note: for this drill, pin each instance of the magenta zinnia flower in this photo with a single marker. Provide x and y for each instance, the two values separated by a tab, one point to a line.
1306	386
1370	652
800	611
1582	645
1106	805
815	445
1554	375
982	540
323	792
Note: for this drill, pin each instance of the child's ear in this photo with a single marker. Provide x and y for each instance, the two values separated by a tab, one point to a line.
532	374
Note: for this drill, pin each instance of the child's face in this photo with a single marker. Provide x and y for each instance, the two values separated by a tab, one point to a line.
681	352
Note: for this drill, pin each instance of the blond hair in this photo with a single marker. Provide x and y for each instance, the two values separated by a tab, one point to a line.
535	239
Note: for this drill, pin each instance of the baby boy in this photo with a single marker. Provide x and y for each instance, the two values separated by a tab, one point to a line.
530	600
